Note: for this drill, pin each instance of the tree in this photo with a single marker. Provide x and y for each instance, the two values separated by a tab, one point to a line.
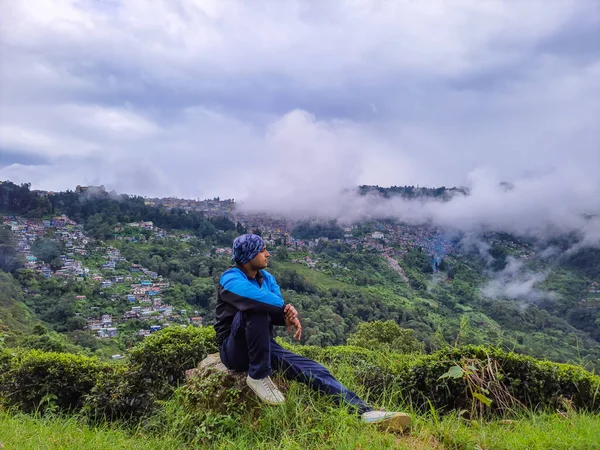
202	289
386	335
46	249
76	323
499	254
45	342
10	260
281	253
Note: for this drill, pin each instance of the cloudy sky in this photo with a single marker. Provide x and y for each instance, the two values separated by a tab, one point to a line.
292	101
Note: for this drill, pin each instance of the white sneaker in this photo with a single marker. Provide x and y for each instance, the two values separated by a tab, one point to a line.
391	421
266	390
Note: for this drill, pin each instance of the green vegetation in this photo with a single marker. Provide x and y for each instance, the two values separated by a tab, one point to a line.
385	336
25	432
318	427
349	285
420	336
411	192
49	384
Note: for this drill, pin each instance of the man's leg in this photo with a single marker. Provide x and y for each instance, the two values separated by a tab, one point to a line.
248	346
307	371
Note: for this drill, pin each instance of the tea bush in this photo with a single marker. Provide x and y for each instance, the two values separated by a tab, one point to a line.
537	384
60	379
156	366
532	383
163	357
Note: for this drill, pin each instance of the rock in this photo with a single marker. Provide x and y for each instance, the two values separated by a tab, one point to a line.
212	386
212	363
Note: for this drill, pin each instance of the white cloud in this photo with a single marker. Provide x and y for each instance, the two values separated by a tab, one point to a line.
516	283
285	104
117	122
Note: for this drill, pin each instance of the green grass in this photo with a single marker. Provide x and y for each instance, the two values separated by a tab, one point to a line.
23	432
312	425
531	431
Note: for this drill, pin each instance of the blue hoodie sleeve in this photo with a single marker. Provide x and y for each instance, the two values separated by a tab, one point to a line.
238	291
277	318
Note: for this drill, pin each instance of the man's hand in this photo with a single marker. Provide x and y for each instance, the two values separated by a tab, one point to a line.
290	312
291	320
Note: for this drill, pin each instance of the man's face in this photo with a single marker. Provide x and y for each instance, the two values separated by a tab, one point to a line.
261	260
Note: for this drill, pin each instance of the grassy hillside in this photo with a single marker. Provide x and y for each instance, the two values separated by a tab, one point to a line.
70	398
347	287
299	431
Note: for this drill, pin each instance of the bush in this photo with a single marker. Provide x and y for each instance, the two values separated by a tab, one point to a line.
56	378
534	383
385	336
118	395
511	378
208	407
163	357
156	366
5	361
511	381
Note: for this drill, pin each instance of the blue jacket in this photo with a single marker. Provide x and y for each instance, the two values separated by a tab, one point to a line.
237	292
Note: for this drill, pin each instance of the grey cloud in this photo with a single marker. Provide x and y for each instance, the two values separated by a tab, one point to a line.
295	103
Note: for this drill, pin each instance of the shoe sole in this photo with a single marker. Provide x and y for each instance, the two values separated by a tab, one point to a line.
397	423
264	400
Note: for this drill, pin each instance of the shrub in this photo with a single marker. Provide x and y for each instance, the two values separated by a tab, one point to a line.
163	357
62	379
385	336
118	395
521	381
156	366
5	360
512	380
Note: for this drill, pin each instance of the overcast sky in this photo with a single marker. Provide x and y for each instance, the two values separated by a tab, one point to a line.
289	102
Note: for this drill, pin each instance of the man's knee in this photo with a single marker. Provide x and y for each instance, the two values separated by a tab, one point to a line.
255	318
248	319
257	329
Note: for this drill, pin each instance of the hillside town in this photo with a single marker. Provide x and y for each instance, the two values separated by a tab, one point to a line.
140	289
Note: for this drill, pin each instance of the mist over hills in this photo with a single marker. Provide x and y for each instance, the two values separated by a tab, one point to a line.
525	288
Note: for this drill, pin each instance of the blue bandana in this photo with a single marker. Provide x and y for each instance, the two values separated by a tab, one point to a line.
246	247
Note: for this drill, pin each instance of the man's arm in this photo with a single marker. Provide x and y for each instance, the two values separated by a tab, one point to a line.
277	318
289	315
238	291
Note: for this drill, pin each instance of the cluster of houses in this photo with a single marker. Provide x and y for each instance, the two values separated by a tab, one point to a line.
211	208
145	285
143	296
518	249
64	230
103	327
392	239
312	263
157	233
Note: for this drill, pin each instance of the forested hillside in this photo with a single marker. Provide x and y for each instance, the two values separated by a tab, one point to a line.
77	265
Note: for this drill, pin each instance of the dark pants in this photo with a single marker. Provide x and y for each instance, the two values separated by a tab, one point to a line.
250	347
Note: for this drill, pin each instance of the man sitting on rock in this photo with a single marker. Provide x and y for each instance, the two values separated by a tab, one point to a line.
249	304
